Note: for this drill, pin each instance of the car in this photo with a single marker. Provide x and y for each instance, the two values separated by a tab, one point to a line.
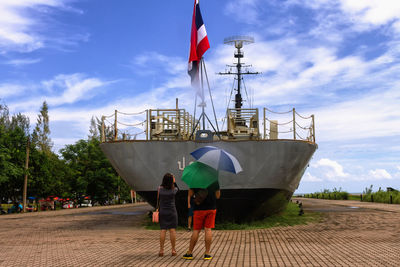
85	203
68	205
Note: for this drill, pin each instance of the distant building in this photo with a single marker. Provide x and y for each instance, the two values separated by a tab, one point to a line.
391	189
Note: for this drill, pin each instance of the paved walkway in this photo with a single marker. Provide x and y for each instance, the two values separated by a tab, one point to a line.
352	234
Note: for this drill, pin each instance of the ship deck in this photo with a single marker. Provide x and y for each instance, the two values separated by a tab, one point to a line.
113	236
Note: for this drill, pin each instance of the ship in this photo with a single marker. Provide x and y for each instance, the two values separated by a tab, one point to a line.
273	154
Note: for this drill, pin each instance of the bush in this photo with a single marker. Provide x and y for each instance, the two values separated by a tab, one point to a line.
337	194
381	197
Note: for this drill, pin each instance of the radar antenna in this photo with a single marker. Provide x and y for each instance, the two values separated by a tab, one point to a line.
238	41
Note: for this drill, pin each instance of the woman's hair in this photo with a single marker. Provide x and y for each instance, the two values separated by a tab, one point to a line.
168	181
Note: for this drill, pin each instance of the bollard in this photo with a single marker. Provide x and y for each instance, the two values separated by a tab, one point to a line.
361	198
372	198
391	200
301	212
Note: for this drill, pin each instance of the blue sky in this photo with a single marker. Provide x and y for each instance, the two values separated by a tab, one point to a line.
337	59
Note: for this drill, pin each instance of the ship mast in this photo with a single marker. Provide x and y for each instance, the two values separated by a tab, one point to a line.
238	42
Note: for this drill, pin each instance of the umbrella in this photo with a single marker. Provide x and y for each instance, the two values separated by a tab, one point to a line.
217	158
199	175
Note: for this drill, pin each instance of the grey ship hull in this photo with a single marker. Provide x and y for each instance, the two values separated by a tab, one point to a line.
272	170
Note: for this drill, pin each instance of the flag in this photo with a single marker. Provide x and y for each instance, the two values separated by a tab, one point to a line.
198	46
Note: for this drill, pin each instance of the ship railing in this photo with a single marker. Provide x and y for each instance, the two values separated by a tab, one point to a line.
170	124
288	125
151	124
123	126
177	124
243	123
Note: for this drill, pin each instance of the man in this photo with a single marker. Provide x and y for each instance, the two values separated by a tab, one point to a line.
203	217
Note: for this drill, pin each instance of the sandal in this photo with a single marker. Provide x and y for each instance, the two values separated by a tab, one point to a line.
173	253
161	253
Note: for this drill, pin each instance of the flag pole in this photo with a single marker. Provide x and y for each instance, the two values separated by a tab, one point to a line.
202	93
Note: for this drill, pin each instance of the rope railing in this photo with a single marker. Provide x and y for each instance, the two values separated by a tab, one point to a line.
282	123
132	125
296	126
283	132
304	128
177	124
112	115
306	118
112	124
131	114
276	112
301	138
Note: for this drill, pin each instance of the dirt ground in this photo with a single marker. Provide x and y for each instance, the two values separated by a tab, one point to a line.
351	234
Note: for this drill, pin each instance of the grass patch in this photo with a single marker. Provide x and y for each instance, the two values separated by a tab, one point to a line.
289	217
336	194
354	197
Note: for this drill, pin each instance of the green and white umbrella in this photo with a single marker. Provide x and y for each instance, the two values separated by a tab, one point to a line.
199	175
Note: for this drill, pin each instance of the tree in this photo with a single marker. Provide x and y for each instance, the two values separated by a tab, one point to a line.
94	128
13	138
4	115
91	172
41	133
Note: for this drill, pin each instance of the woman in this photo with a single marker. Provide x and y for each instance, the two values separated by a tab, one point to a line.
168	215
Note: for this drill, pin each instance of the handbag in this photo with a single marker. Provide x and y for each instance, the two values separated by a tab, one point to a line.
156	213
155	216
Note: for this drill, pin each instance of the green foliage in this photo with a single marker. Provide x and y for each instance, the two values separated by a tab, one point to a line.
367	190
82	168
12	152
41	133
381	196
355	197
337	194
91	173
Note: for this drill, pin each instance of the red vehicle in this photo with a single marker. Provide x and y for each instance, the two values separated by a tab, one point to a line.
46	204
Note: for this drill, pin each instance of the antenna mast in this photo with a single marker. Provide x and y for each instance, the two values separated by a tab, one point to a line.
238	42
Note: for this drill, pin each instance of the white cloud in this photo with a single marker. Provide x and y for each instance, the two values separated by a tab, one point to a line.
397	174
75	86
62	89
150	61
310	178
21	26
331	169
7	90
379	174
344	91
248	10
396	27
361	15
375	12
21	62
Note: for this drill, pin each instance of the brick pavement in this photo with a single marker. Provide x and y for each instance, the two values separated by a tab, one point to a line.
104	236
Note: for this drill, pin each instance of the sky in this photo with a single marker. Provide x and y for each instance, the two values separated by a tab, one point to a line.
336	59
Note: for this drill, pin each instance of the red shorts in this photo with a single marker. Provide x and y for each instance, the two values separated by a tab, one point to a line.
204	219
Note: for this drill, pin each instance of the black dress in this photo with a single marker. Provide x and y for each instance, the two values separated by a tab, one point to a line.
168	215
